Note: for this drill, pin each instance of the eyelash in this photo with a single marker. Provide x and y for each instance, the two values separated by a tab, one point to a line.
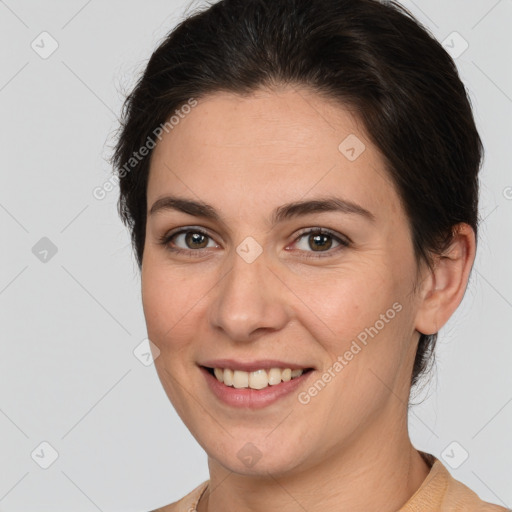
166	239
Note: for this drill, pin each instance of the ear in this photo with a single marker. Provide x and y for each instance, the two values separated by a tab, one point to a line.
443	287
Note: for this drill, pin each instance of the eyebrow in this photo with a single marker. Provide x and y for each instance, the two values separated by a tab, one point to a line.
281	213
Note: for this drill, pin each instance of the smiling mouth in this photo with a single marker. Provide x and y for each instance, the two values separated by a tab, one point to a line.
259	379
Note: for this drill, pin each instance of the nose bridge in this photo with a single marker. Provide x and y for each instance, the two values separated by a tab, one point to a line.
249	297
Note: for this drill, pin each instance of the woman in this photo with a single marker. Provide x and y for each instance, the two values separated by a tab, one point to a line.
300	181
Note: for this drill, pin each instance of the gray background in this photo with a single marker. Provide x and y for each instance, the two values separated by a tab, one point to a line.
70	321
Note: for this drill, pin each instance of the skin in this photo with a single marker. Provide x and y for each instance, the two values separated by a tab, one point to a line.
246	156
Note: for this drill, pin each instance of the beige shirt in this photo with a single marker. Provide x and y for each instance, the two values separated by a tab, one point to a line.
439	492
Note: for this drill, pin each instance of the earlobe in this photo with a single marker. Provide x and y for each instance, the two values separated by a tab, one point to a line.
444	287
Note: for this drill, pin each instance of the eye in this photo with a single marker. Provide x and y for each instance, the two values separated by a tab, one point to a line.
190	239
320	240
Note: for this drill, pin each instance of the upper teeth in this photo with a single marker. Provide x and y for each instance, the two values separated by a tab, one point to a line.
258	379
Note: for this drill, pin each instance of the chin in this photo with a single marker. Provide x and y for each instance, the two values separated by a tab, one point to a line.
258	460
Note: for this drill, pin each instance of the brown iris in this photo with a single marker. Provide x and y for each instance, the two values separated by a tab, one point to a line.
315	241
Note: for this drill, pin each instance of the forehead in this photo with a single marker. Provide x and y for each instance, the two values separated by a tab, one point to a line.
273	146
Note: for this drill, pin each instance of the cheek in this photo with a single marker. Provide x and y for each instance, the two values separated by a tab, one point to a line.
346	302
170	302
364	328
363	322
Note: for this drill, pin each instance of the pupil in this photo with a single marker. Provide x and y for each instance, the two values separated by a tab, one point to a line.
317	238
194	238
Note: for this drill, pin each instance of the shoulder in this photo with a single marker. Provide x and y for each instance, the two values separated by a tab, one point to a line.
186	504
443	493
459	497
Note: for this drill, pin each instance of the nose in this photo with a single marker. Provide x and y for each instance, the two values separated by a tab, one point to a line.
250	298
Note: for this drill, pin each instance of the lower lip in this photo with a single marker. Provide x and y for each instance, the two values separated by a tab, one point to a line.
252	398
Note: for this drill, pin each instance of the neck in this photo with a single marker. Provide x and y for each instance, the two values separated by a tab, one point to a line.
381	459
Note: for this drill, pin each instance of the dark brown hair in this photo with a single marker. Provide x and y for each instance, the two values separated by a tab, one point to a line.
371	56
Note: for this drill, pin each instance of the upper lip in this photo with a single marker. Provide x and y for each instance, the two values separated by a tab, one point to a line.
251	366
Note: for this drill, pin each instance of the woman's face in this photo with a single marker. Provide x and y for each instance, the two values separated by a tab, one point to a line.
257	281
